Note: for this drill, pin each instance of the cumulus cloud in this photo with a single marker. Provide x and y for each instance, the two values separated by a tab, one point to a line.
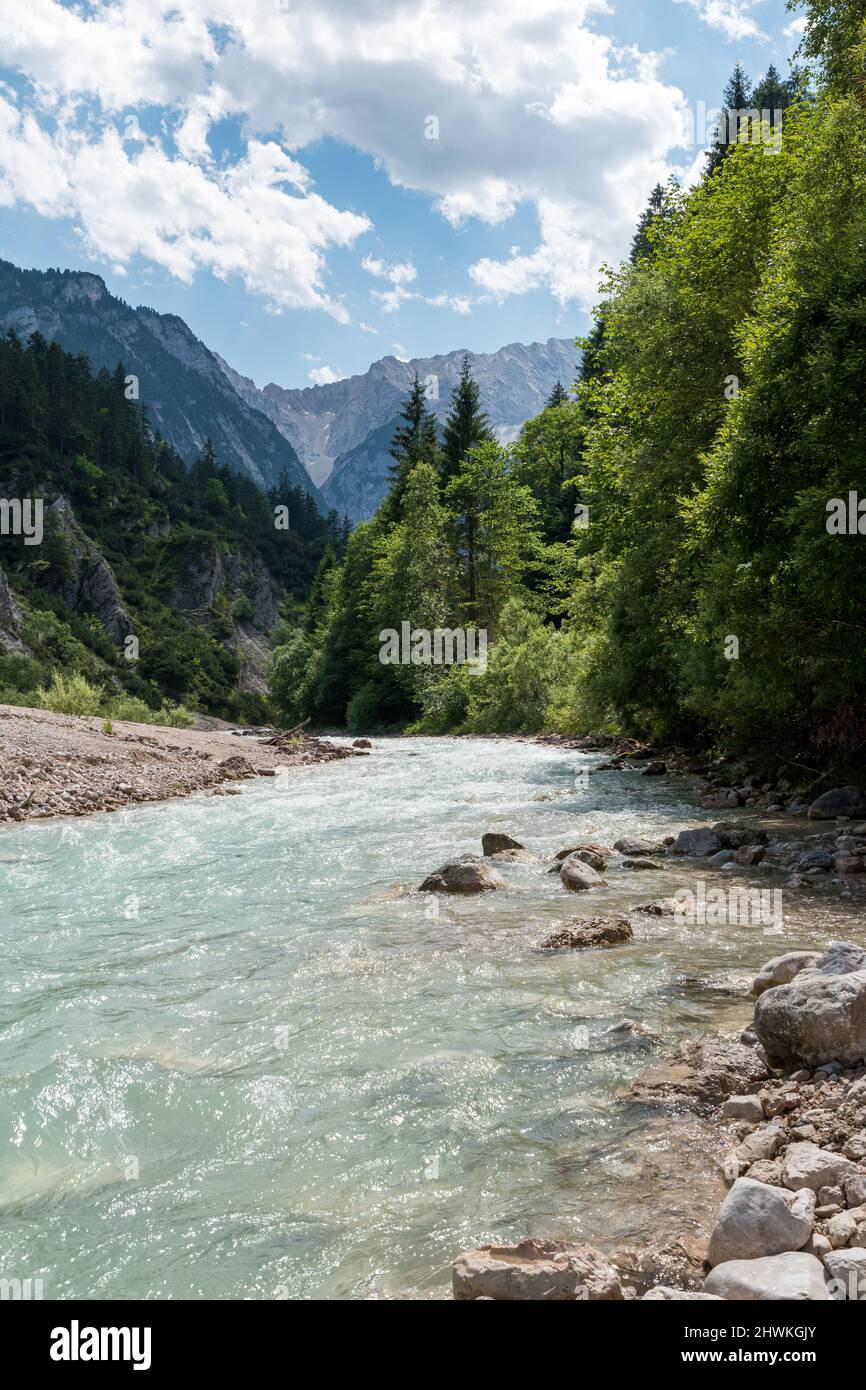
482	108
323	376
257	219
796	29
733	18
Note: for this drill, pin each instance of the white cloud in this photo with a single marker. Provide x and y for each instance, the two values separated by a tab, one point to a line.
733	18
796	29
257	218
532	106
323	376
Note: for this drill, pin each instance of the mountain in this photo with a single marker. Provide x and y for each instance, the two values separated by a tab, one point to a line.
134	543
342	431
184	386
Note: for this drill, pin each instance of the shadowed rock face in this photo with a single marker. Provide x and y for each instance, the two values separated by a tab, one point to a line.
10	617
93	589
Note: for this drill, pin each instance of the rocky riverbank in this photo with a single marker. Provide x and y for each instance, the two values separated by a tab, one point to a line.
793	1225
787	1096
63	765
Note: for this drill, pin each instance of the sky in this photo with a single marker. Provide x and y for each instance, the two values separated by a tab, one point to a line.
315	184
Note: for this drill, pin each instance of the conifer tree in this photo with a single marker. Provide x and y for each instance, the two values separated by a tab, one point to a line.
318	600
558	396
415	441
737	97
466	427
655	208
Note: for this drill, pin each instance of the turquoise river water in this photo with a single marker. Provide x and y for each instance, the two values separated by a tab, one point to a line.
240	1059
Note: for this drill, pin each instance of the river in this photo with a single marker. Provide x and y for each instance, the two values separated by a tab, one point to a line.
239	1060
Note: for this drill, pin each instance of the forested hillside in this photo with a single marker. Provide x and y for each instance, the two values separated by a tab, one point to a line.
191	562
186	388
660	552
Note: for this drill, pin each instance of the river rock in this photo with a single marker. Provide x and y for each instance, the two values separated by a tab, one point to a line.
578	876
494	843
549	1271
855	1188
772	1279
721	797
847	1272
595	931
849	864
735	834
763	1142
814	861
468	874
701	1072
663	907
821	1015
596	856
766	1170
744	1108
807	1165
697	843
655	769
855	1146
236	767
663	1294
750	854
680	1263
641	864
756	1220
636	847
841	801
781	970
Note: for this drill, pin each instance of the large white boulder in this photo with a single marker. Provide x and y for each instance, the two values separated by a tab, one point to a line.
774	1279
807	1165
757	1220
847	1272
781	970
821	1015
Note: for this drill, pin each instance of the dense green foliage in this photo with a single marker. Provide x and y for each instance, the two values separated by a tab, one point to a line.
653	553
189	548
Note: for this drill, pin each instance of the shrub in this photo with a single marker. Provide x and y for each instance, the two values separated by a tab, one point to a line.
130	708
69	695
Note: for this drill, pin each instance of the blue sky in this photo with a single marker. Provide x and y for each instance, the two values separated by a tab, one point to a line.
313	186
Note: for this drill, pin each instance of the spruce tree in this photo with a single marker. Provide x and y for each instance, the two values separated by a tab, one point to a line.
415	441
466	427
641	245
737	97
317	604
558	396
